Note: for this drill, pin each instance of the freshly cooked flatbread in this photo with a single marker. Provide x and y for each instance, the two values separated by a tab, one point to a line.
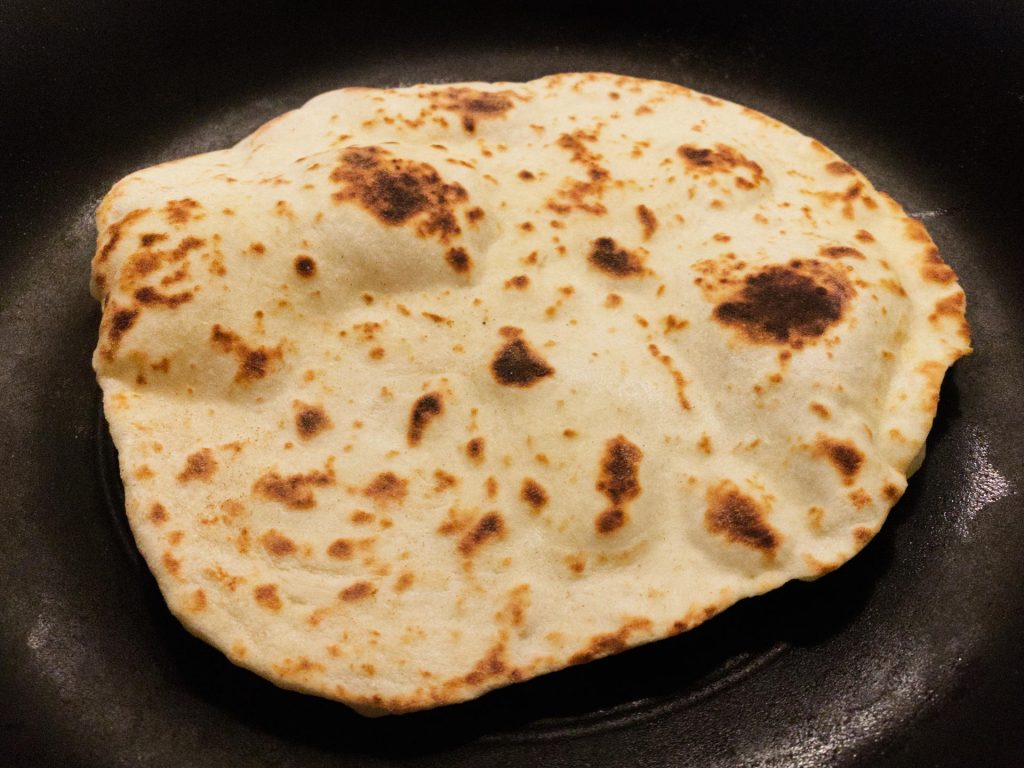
426	391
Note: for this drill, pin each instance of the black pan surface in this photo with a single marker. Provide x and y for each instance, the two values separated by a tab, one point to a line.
910	655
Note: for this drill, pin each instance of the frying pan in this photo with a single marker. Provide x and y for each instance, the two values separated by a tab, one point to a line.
910	655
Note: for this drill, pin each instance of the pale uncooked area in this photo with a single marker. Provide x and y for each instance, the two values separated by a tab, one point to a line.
549	585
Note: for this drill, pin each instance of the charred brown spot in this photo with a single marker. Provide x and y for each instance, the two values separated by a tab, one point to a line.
619	480
843	455
116	232
605	645
171	563
610	520
579	194
892	492
517	365
474	214
358	591
720	159
310	420
277	544
475	449
820	410
305	266
839	168
197	601
934	269
149	296
150	238
396	191
252	363
424	410
340	549
862	535
293	491
266	596
490	526
444	480
526	175
404	581
739	518
840	252
619	477
533	493
949	306
157	514
677	377
519	282
459	260
863	236
606	255
648	221
121	321
491	665
387	487
472	105
859	498
198	466
181	211
789	304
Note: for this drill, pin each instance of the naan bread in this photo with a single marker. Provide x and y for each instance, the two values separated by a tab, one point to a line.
422	392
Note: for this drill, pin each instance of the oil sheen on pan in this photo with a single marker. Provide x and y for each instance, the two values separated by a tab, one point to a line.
422	392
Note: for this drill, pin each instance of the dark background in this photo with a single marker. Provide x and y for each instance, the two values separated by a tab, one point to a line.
912	654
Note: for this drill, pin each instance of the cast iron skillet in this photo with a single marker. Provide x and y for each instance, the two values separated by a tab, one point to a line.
910	655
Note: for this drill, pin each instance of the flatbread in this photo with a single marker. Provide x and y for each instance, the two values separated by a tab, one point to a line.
426	391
